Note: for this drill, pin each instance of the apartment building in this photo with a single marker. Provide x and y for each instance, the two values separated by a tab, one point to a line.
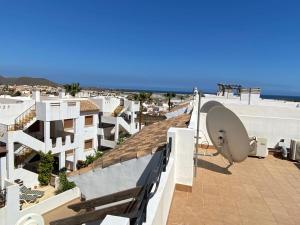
71	128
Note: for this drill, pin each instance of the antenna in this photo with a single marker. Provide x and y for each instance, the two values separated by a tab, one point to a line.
228	134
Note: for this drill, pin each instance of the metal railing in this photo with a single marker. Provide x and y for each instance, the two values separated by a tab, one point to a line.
2	197
22	120
131	203
153	180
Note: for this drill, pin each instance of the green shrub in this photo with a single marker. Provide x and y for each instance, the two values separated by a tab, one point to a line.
64	184
91	158
45	168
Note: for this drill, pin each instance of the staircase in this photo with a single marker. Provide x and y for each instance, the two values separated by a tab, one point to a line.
23	150
117	111
23	120
29	141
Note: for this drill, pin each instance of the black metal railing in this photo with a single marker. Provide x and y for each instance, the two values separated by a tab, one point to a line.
131	203
2	197
152	184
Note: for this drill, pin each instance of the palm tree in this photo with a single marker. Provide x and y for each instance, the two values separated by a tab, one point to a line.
169	96
73	88
142	97
182	97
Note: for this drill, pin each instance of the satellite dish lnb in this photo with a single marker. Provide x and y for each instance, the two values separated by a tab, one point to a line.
228	134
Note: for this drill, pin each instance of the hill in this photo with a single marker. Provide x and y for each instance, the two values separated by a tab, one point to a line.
26	81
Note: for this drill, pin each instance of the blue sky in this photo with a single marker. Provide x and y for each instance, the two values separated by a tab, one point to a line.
154	44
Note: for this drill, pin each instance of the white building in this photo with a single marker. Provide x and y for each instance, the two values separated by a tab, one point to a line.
71	128
131	164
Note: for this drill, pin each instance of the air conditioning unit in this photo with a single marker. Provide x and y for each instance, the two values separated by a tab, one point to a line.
295	150
260	149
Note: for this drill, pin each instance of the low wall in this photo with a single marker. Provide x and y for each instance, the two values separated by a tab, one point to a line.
2	215
29	178
178	171
53	202
159	206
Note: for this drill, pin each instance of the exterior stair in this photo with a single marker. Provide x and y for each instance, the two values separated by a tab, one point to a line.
23	150
23	120
117	111
29	141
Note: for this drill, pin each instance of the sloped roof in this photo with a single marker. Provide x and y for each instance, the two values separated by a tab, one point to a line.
145	142
88	106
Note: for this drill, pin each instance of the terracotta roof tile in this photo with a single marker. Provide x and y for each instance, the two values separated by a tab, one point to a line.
145	142
88	106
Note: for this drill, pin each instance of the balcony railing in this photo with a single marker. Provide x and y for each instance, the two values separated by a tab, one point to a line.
22	120
2	197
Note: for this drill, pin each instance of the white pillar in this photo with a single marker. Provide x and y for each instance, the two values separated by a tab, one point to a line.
132	123
183	154
13	207
62	160
10	157
36	95
47	139
117	131
76	157
3	172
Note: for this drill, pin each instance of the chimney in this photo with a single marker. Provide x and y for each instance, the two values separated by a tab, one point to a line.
36	95
62	93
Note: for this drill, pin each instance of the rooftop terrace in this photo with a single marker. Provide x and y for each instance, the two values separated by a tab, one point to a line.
257	191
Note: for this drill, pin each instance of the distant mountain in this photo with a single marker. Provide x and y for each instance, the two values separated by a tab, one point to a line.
26	81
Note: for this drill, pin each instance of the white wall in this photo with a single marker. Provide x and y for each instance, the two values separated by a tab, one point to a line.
57	110
53	202
159	206
183	153
115	178
179	170
9	111
10	213
29	178
272	120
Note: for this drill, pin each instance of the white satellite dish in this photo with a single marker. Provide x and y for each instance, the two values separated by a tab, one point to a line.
228	134
209	105
31	219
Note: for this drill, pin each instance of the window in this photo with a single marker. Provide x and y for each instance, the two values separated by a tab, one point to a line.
88	121
68	123
70	152
88	144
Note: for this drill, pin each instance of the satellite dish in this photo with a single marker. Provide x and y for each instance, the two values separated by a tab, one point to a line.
227	134
31	219
209	105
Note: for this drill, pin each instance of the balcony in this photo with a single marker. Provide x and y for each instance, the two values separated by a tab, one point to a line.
56	110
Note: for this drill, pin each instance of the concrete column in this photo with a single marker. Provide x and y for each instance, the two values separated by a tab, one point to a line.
77	125
183	154
132	123
62	160
77	157
3	172
47	139
10	159
12	202
117	131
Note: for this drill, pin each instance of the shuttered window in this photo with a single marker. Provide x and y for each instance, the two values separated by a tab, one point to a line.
88	120
70	152
68	123
88	144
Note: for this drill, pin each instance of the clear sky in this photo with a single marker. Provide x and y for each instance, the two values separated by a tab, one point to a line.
154	44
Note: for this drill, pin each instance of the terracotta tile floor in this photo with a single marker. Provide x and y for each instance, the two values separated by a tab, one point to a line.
60	212
254	192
